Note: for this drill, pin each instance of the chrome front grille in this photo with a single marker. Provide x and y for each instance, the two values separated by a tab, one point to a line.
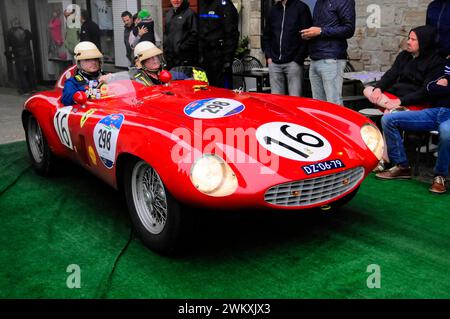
315	190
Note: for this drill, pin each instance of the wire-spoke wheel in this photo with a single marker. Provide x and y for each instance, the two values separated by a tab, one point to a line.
149	197
38	149
155	214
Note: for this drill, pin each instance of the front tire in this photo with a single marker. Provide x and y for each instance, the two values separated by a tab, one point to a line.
40	154
155	214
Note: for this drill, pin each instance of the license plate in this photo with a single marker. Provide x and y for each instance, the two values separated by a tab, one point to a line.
322	166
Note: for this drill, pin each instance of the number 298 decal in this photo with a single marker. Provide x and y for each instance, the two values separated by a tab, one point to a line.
106	133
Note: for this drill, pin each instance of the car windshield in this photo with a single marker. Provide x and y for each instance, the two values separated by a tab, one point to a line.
188	73
127	83
178	73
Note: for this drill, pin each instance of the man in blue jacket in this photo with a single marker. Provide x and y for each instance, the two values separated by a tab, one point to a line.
284	49
333	24
438	16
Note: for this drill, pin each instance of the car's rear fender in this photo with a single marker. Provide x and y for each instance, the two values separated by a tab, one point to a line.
42	107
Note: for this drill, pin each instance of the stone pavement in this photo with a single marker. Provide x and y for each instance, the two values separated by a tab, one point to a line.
11	104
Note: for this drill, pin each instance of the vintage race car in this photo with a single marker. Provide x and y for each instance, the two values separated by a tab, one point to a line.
187	143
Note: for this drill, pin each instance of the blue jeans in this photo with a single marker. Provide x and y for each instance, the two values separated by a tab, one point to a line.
294	75
433	119
326	78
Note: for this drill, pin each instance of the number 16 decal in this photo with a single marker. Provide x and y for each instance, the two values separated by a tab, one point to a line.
293	141
61	123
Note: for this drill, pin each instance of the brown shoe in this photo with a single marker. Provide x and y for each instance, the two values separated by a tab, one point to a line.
395	172
439	185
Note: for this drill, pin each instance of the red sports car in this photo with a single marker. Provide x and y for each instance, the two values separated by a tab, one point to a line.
185	142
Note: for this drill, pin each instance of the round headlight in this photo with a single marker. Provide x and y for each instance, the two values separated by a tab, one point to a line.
211	175
373	139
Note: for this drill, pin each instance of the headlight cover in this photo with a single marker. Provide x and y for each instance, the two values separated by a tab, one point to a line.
212	176
373	139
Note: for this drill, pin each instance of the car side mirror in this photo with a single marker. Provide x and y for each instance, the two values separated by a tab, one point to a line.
165	76
80	97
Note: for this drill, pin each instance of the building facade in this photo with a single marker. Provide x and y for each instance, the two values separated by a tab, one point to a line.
382	27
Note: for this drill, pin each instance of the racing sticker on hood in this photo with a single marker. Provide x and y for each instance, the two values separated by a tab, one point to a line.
106	133
293	141
213	108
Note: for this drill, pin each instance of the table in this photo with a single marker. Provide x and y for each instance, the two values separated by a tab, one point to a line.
364	76
259	74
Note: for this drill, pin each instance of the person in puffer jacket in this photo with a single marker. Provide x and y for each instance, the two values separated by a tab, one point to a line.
333	23
438	16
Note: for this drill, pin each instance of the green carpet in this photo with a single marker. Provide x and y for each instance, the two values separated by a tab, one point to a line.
73	218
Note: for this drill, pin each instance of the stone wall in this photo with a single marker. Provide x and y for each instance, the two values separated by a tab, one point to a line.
371	48
374	47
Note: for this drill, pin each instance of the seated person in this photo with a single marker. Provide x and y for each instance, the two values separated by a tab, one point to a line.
147	58
405	82
88	76
435	118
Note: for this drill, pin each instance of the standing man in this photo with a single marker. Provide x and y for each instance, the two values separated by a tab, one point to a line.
284	49
128	25
89	30
218	38
180	35
18	49
438	16
333	24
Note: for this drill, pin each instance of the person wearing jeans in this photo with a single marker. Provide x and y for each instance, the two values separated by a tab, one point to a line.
432	119
333	23
327	77
293	73
284	49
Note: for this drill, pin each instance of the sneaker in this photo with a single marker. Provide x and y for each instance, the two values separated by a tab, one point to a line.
396	172
439	185
380	167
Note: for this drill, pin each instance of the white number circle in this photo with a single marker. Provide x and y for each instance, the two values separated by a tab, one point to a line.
293	141
61	123
106	133
213	108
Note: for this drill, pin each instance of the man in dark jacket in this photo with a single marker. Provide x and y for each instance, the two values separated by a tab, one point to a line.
431	119
127	20
89	30
18	49
218	38
180	35
284	49
412	70
333	24
438	16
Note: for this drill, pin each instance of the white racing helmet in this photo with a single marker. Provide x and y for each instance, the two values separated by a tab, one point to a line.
87	50
143	51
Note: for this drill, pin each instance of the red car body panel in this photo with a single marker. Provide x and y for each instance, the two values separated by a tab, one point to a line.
153	114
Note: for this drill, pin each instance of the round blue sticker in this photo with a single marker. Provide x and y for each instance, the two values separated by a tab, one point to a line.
213	108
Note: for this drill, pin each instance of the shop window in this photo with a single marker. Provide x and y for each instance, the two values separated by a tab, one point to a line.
56	31
102	14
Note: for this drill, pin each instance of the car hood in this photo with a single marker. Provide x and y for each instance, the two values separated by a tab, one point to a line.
236	133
